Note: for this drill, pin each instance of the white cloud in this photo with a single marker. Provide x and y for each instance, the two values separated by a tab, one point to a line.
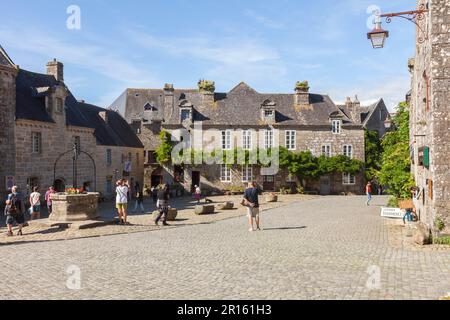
229	59
89	56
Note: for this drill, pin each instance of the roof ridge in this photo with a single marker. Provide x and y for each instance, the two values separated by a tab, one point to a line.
8	59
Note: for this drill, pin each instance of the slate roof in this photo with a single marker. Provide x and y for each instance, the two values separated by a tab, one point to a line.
241	106
366	111
31	90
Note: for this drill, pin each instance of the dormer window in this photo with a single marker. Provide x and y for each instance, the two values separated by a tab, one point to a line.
269	114
150	107
186	111
186	115
268	111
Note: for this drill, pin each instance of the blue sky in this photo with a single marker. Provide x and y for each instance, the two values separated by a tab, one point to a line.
268	44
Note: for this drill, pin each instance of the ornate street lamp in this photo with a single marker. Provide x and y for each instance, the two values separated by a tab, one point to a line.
378	36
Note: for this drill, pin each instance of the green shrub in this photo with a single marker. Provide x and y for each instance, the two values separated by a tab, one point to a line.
439	224
442	240
393	202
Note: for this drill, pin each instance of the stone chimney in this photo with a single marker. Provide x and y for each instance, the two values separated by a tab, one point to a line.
207	88
169	101
56	69
302	93
354	108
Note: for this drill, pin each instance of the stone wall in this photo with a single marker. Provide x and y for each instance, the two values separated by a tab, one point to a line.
307	140
7	115
56	139
430	109
114	171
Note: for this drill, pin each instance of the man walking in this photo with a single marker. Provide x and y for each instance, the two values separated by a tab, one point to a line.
252	202
139	202
163	204
369	192
14	211
35	202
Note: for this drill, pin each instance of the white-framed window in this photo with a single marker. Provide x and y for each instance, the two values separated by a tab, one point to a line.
108	157
225	173
326	150
247	139
348	151
336	126
36	142
268	139
291	139
247	173
348	179
138	158
130	157
226	139
268	114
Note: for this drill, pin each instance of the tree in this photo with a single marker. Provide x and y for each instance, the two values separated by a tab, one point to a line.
396	168
374	152
164	151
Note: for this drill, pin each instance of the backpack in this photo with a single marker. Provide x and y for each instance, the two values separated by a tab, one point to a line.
15	205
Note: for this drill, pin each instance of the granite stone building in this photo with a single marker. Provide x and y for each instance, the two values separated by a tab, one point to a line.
246	119
40	120
430	115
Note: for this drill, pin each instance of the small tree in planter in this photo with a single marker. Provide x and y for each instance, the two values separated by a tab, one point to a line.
302	86
206	86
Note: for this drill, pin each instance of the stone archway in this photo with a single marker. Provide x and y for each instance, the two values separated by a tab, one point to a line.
59	185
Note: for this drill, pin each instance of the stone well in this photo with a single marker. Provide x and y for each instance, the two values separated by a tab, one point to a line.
76	207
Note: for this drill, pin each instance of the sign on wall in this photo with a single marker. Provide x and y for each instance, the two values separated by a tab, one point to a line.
9	182
393	213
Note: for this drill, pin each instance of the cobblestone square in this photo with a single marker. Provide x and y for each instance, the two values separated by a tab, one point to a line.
322	248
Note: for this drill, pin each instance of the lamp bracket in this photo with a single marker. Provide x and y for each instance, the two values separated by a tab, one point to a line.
413	16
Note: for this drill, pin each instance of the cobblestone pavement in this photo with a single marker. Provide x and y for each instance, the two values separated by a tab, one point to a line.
38	232
317	249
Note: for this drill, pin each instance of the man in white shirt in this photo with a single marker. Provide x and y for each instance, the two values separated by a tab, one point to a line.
122	201
35	201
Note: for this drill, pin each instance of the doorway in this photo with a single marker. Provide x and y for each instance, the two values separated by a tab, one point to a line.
269	183
195	180
156	180
325	186
60	185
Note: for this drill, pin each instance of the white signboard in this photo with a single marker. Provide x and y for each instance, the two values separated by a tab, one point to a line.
394	213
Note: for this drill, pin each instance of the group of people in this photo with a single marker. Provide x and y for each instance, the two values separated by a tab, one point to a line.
15	208
160	197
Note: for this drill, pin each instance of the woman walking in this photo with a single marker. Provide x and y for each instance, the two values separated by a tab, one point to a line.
163	204
198	194
122	201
